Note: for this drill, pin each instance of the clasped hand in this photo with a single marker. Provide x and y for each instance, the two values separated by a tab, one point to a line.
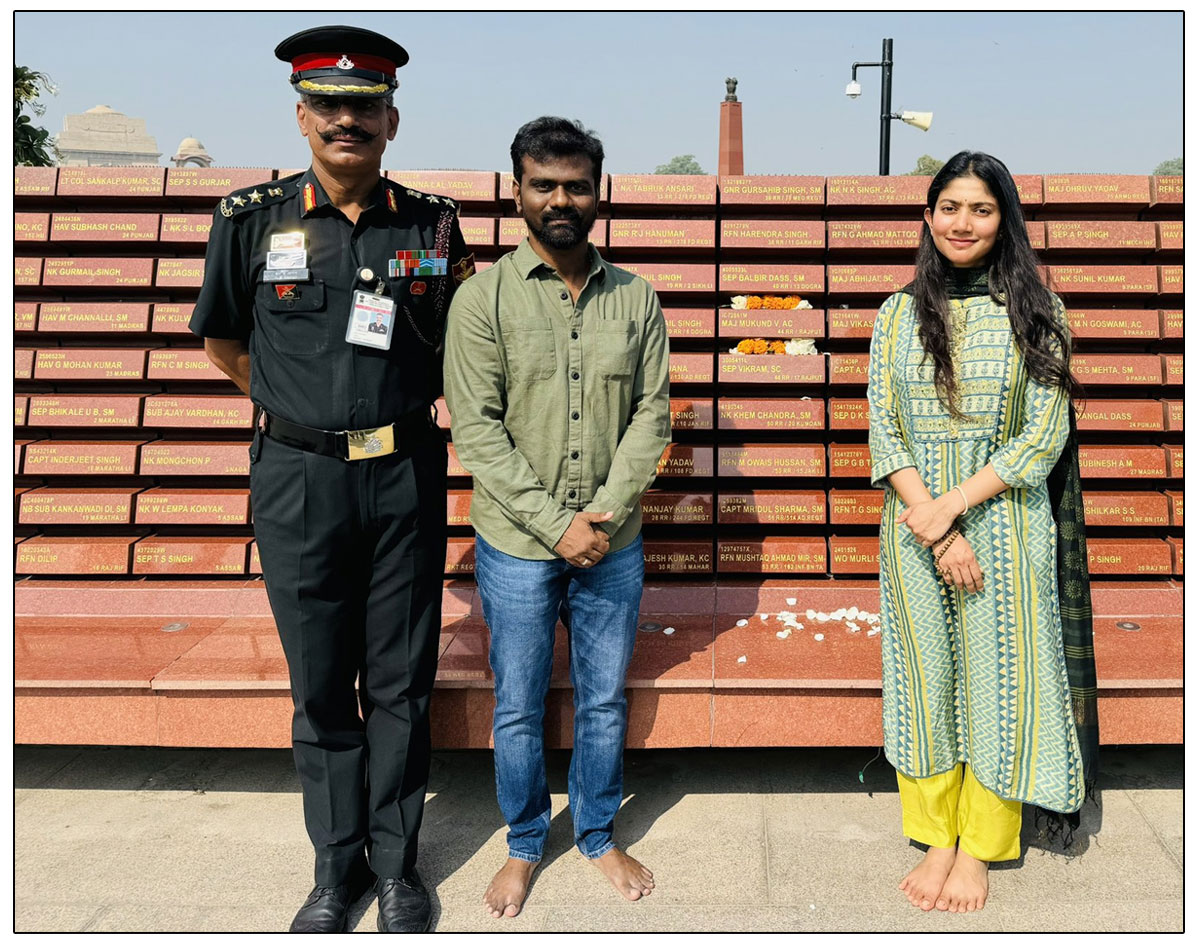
959	567
584	543
931	519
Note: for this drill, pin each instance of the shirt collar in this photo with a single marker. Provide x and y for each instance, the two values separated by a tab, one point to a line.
527	260
316	197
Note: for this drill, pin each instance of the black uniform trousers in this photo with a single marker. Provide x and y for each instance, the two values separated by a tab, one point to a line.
353	555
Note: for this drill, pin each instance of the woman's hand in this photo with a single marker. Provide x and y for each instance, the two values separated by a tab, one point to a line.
930	520
959	567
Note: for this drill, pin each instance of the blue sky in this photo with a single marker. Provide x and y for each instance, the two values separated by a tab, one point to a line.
1047	93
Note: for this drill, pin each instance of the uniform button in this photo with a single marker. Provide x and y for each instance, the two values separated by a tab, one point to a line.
574	334
574	454
575	415
563	296
574	375
361	402
571	494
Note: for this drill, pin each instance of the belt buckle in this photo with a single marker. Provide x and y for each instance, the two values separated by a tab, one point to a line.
365	444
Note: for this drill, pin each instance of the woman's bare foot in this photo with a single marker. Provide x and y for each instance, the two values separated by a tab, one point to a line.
506	892
923	885
632	880
966	887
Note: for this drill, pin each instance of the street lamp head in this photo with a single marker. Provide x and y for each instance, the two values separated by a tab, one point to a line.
920	120
854	90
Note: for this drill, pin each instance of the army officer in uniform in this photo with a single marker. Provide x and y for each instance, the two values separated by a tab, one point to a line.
348	468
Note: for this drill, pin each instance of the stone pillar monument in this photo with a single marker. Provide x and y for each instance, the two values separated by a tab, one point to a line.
730	157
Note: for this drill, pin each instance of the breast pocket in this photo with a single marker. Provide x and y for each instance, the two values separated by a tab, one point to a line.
530	350
294	317
617	342
420	302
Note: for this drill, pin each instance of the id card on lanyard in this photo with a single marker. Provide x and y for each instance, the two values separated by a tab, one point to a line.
372	318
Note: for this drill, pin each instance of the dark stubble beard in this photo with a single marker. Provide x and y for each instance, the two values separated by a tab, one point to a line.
561	237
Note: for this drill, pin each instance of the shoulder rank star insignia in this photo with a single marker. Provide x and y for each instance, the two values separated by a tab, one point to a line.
449	202
274	191
255	196
238	201
414	193
225	210
433	198
393	205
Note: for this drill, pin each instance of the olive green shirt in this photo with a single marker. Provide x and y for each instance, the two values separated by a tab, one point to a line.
556	406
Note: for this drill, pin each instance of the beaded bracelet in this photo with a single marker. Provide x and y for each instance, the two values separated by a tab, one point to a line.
953	534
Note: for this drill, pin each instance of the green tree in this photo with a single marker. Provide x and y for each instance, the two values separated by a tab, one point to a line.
927	166
680	164
31	144
1171	168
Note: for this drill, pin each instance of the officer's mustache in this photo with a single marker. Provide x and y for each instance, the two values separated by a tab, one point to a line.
354	131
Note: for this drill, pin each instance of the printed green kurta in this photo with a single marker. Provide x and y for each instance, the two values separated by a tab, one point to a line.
976	678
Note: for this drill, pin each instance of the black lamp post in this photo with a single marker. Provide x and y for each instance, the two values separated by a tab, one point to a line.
916	119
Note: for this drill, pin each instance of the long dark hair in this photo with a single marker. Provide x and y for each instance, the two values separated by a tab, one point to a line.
1013	281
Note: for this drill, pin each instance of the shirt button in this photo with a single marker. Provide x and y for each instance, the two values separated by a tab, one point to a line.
571	494
563	296
574	375
361	402
574	454
574	334
575	415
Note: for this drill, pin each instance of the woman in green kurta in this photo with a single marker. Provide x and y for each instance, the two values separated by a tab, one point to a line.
970	400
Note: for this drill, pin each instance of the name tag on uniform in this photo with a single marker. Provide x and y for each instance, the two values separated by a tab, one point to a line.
371	320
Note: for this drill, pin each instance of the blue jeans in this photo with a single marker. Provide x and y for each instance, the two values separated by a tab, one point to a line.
522	601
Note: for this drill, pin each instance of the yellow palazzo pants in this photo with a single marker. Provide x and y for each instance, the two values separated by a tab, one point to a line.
949	808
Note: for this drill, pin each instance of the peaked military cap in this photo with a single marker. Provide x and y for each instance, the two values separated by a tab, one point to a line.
342	60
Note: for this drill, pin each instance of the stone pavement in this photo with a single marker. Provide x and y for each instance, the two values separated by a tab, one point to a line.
784	839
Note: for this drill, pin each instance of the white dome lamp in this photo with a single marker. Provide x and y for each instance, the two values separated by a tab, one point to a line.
920	120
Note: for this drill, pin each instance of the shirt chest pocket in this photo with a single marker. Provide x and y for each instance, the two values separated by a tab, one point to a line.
418	305
295	319
529	350
617	344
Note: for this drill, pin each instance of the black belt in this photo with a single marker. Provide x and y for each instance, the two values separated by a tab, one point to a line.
349	445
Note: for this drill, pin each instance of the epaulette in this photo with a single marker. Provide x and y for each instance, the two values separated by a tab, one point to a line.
252	198
398	192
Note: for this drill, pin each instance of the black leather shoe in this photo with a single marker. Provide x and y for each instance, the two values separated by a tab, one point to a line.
403	905
326	907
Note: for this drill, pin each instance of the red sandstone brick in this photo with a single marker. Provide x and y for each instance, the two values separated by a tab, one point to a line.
854	555
478	232
1029	188
689	322
458	507
214	181
111	181
193	507
1172	368
1119	414
855	506
463	186
1141	556
787	235
23	363
684	460
1105	369
1125	508
25	316
81	458
94	317
99	271
91	364
800	555
848	413
1108	280
1166	190
30	227
1174	460
1170	234
182	364
104	227
770	190
180	273
453	466
1174	415
771	368
43	555
34	181
771	507
1114	323
660	507
1170	280
851	280
770	323
194	458
660	189
1175	497
874	234
460	556
662	234
1122	462
691	414
20	410
851	322
774	413
255	565
846	368
1125	190
678	557
673	277
1099	234
1172	323
185	227
690	368
443	413
771	459
223	412
27	270
157	555
1176	544
171	318
849	460
777	279
84	410
54	505
902	191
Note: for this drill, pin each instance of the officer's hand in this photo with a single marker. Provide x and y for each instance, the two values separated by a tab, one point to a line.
584	544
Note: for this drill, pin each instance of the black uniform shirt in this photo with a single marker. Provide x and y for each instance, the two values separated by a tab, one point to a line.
301	367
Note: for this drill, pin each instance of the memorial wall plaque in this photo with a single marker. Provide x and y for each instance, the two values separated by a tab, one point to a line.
662	234
691	414
31	227
81	458
678	557
1172	323
772	556
180	273
849	460
1122	462
1036	231
195	458
255	566
852	322
1125	508
690	368
689	322
84	410
780	279
1174	415
185	227
693	190
1104	369
771	459
104	227
111	181
97	271
773	323
774	413
771	507
1172	369
1169	234
1176	500
172	318
768	190
460	556
847	368
19	453
20	410
453	466
23	363
1170	280
1166	190
1174	460
1105	279
182	364
43	555
1099	234
790	235
77	364
677	508
855	506
1119	415
215	181
463	186
1129	556
901	191
875	234
1114	323
478	231
854	555
222	412
848	413
680	459
24	316
1128	190
94	317
675	277
190	555
850	280
40	181
458	507
443	413
1176	545
1029	188
27	270
771	368
193	507
53	505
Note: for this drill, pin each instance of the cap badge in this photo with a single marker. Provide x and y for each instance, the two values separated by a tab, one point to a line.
345	62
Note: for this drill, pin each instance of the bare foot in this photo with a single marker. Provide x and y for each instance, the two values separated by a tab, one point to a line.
631	879
966	887
924	883
506	892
